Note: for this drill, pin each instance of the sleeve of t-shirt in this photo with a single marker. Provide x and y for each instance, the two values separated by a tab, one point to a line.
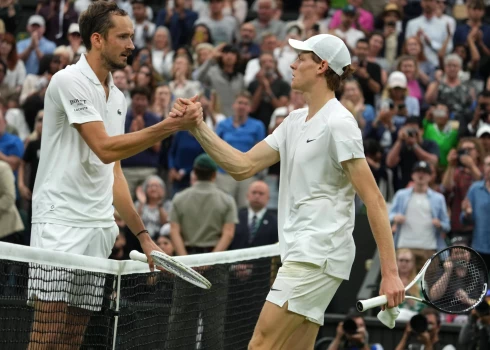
17	149
431	147
232	213
76	102
347	138
278	136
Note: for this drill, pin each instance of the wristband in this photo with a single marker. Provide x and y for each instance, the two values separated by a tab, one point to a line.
141	232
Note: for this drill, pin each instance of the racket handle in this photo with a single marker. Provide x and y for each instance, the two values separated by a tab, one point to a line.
137	256
363	305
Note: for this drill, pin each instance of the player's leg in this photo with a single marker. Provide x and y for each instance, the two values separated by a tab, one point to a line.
274	327
304	337
77	320
48	326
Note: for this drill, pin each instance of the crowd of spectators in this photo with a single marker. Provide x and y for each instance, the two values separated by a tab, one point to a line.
420	94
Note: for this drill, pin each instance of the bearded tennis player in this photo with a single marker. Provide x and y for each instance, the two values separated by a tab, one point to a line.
80	180
322	167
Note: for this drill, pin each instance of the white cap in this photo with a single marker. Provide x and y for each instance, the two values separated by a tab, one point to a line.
328	47
36	19
484	129
74	28
397	79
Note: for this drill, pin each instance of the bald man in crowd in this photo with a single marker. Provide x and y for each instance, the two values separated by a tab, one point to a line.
258	225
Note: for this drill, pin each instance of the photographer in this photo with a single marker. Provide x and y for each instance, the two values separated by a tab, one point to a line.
475	334
352	335
422	333
481	115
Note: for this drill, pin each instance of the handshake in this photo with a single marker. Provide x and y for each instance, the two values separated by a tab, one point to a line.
187	114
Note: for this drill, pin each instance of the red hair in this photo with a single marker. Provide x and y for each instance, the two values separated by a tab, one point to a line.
12	57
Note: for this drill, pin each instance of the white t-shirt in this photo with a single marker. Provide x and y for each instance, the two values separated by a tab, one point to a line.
73	187
316	199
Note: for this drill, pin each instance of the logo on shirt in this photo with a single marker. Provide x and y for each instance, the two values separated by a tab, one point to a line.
77	102
119	112
308	141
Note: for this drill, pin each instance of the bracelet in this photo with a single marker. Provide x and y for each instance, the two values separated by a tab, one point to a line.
141	232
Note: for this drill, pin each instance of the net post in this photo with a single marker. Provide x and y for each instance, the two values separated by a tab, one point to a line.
116	317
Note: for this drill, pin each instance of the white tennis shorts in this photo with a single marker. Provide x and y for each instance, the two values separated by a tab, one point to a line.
76	287
306	288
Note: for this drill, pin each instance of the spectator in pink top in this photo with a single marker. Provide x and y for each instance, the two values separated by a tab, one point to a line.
364	20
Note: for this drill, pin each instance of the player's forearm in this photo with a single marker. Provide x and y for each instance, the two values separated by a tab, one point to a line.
233	161
124	146
124	204
380	225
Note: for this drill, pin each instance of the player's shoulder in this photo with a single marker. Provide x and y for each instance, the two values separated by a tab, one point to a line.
68	75
298	114
339	117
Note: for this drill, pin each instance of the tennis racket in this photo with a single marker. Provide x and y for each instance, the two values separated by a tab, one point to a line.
174	266
454	280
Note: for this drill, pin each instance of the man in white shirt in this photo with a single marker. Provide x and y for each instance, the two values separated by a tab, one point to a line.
80	181
143	28
431	30
322	167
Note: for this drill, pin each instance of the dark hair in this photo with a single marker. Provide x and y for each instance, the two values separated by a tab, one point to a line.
234	50
333	79
413	121
4	65
485	93
12	57
362	40
97	19
476	4
44	64
141	90
430	311
204	175
210	38
371	147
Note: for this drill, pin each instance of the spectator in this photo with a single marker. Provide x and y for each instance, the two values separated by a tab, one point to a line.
16	70
5	90
162	55
11	147
408	149
59	15
151	204
242	132
346	29
374	157
464	168
204	52
31	50
10	221
257	226
75	44
364	113
121	81
201	34
407	271
307	17
265	23
269	91
223	27
396	100
481	115
10	14
164	242
144	29
285	55
246	46
183	151
269	44
322	9
448	89
15	117
179	22
431	30
375	55
364	19
391	27
118	251
220	73
483	134
428	336
144	76
475	211
368	74
408	66
138	167
440	13
419	216
475	334
162	101
181	84
439	129
296	101
352	334
425	73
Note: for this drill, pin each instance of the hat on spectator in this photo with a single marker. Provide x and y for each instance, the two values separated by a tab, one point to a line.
422	166
165	230
204	162
349	10
482	130
328	47
392	8
74	28
397	79
36	19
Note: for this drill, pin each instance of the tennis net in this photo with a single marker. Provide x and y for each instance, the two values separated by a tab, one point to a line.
77	302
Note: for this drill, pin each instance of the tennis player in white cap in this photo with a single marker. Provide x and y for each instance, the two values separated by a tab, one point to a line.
322	167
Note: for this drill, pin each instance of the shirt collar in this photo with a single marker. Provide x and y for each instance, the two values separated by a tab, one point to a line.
86	70
260	214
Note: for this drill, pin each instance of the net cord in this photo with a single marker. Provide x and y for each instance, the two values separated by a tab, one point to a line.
26	254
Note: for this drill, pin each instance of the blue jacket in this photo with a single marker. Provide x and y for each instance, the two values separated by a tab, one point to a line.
438	207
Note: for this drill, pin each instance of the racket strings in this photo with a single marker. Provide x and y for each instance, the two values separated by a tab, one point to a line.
455	280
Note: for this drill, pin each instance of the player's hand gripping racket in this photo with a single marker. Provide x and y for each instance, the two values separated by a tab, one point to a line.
174	266
454	280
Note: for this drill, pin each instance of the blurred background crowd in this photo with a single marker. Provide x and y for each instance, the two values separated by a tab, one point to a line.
420	94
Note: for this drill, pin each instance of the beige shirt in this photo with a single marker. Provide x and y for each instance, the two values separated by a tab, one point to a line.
201	211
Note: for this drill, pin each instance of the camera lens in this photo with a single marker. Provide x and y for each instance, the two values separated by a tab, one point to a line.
419	324
350	326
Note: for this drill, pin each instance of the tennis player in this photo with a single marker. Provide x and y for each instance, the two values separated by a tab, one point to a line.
80	181
322	167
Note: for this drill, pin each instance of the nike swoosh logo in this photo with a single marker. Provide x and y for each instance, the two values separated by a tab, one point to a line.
308	141
277	290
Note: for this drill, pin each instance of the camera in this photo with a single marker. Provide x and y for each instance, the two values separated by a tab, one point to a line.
461	152
419	324
412	132
349	326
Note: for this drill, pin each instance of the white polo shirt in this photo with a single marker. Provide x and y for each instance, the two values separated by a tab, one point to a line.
316	199
73	187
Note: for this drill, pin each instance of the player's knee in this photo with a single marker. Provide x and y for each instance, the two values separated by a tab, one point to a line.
258	340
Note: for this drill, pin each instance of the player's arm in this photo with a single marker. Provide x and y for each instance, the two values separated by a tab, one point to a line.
363	181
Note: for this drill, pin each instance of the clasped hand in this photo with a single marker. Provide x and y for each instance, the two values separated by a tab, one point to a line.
187	112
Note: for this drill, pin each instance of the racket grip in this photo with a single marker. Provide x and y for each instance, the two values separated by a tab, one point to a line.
137	256
363	305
